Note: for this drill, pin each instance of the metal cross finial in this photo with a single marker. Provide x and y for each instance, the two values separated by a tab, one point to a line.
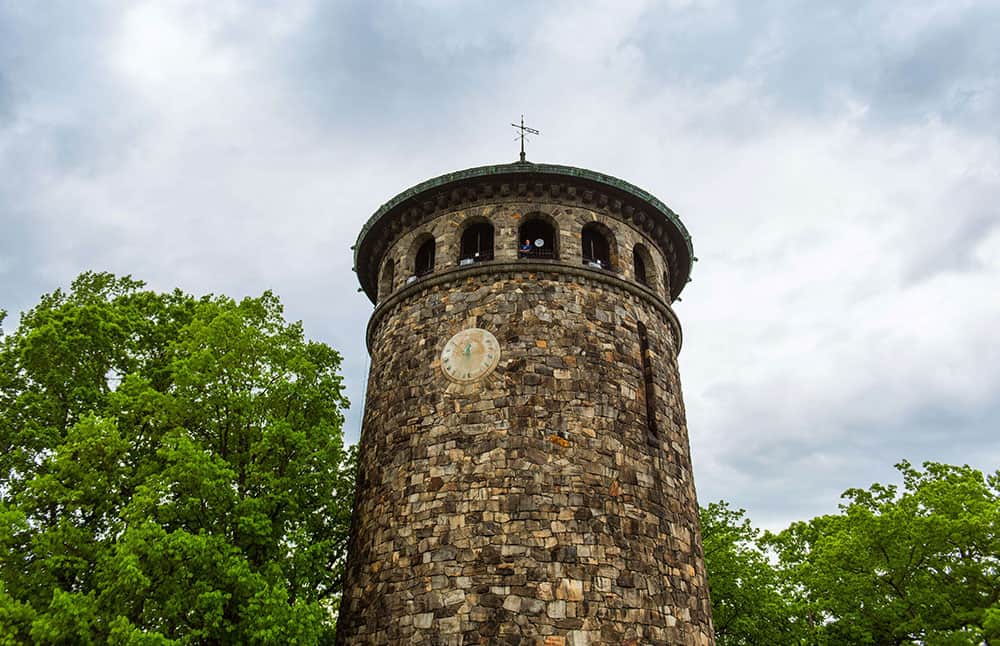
525	131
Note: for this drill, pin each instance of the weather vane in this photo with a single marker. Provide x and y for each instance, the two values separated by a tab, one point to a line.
525	131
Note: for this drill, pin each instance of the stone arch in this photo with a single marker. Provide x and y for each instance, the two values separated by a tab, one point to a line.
643	267
477	240
599	246
423	252
387	278
538	226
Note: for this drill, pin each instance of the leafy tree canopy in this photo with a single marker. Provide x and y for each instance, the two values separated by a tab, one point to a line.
913	565
171	471
916	564
747	603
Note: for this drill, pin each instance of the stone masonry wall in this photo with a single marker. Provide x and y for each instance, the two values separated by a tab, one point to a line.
535	506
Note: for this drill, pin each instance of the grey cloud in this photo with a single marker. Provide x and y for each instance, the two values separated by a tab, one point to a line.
56	88
397	66
22	244
55	51
948	70
947	242
793	477
92	177
953	250
812	58
5	102
800	55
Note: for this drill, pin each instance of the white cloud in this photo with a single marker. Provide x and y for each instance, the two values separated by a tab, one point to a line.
802	327
841	316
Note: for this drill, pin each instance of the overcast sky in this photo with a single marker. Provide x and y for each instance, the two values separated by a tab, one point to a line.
837	164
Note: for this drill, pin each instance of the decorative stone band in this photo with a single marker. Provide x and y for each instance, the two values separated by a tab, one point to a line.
521	267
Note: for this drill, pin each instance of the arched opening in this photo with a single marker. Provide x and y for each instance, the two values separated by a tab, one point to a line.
597	246
641	263
476	244
640	269
537	239
387	279
423	262
666	286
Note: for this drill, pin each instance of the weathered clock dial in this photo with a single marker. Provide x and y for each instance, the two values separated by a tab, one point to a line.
471	354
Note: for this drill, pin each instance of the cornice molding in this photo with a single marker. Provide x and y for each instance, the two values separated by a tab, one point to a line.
525	181
492	268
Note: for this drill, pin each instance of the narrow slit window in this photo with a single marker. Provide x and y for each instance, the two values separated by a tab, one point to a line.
640	265
388	277
647	379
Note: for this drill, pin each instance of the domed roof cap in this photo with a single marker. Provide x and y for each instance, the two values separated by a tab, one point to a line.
525	171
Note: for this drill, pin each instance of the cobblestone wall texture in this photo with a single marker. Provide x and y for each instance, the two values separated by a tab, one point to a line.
538	505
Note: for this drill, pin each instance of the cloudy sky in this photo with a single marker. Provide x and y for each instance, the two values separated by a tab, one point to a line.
837	164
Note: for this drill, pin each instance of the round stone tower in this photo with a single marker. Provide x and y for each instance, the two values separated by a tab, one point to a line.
524	474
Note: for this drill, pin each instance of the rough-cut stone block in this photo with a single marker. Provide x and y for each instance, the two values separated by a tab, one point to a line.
570	590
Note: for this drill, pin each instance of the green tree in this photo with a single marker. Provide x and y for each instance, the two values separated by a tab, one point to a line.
917	565
171	471
747	604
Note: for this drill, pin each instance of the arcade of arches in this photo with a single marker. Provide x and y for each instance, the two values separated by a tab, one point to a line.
537	238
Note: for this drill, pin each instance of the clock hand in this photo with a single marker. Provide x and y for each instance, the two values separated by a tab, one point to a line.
468	349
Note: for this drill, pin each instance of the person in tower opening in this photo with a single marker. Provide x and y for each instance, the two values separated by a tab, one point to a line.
525	248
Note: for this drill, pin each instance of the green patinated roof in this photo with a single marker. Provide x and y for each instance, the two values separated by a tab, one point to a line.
520	168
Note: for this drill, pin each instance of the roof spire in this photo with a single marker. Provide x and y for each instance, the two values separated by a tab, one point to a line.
525	131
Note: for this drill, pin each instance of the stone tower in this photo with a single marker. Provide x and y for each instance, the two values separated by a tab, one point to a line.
524	471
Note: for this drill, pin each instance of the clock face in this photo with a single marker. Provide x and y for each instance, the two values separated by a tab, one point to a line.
470	355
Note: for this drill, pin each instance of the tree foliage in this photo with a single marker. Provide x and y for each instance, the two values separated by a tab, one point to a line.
747	605
171	471
898	565
917	565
